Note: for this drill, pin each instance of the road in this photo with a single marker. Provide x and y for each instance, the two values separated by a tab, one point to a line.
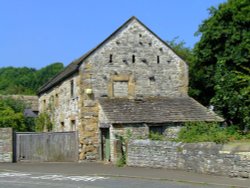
44	180
99	175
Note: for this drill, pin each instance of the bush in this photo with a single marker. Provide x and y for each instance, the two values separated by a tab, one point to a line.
210	132
202	132
43	123
156	136
11	114
121	161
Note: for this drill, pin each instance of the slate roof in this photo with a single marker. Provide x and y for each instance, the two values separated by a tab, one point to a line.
29	113
73	67
156	110
65	73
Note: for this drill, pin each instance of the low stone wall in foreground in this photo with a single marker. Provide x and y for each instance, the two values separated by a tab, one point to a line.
6	146
209	158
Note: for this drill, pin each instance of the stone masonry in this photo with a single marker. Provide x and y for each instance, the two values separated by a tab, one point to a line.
208	158
138	131
6	147
62	106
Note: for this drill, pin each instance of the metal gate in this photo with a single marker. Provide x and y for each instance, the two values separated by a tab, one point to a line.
46	147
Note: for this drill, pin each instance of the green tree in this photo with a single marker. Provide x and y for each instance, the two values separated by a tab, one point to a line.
183	51
26	80
45	74
11	114
222	61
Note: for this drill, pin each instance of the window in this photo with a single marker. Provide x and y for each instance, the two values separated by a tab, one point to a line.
44	104
158	59
73	125
121	85
110	58
56	100
152	78
72	88
156	129
120	89
62	126
52	100
133	58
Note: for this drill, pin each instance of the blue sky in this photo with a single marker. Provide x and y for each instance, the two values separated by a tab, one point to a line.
36	33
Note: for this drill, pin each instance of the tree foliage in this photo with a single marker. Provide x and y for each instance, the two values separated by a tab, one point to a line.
26	80
11	114
183	51
222	58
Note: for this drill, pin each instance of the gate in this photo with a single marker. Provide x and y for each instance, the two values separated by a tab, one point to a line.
46	147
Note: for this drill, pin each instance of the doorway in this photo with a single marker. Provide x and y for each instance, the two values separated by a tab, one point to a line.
105	144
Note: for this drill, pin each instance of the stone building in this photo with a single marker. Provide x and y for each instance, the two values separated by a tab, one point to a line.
131	81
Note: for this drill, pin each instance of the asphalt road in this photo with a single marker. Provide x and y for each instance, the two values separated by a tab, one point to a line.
45	180
97	175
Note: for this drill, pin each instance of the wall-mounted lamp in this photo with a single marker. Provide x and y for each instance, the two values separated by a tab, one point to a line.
88	91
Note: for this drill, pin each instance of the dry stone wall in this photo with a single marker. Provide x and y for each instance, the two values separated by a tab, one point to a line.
208	158
138	131
6	146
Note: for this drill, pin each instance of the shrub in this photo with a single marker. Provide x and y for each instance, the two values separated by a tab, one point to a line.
121	161
202	132
124	139
210	132
43	123
156	136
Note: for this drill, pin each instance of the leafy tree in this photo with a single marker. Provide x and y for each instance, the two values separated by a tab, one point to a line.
11	114
45	74
222	58
26	80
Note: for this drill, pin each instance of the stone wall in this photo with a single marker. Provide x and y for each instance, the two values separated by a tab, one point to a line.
138	131
6	147
208	158
30	100
135	130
